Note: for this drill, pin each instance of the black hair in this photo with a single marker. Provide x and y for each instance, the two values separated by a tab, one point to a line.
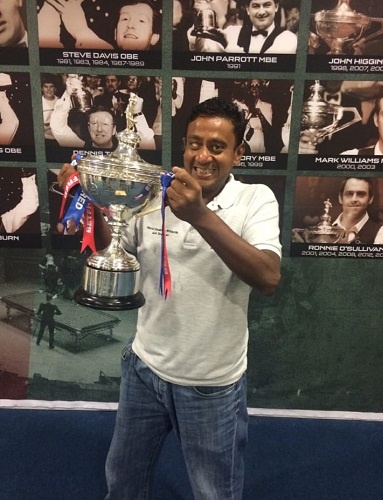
155	5
217	106
366	179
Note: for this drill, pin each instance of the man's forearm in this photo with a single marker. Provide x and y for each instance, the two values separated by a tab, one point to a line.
260	269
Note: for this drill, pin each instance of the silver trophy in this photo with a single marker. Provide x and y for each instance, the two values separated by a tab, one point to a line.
205	25
344	30
322	118
323	232
81	99
123	186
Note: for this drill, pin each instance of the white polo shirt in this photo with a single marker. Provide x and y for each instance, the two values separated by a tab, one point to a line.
199	335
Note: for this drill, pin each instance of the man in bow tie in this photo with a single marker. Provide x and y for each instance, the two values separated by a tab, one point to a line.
260	33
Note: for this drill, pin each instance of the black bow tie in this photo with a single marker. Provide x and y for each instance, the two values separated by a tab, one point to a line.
259	32
333	97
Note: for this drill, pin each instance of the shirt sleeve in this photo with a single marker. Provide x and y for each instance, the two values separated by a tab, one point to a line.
261	226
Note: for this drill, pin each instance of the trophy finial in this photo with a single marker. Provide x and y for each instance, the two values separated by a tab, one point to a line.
129	113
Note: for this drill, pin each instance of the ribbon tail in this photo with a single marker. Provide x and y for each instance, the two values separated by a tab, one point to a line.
88	235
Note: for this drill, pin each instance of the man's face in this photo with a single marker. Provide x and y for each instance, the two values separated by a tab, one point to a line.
210	153
92	81
132	83
111	83
355	198
101	129
262	13
11	25
134	29
48	90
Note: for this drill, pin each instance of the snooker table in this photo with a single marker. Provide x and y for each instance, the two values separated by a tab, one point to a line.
78	320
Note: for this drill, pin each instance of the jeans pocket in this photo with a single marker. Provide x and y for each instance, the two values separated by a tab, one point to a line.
209	391
127	350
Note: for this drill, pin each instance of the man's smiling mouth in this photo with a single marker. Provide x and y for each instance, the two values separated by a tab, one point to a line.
205	171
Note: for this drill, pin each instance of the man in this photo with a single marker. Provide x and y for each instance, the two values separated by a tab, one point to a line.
113	99
100	124
377	148
48	101
186	366
137	28
259	33
47	312
93	85
116	99
258	133
9	122
12	29
355	196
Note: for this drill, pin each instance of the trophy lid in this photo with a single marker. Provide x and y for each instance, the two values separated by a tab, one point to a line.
316	98
124	163
342	13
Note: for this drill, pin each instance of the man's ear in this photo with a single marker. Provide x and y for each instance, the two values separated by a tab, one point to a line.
239	153
183	143
154	39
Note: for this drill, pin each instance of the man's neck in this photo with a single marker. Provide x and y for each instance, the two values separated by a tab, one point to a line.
348	221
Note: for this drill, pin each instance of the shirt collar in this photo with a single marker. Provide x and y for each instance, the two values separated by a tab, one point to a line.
358	226
227	196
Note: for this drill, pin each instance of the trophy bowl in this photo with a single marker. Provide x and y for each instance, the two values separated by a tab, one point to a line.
342	27
205	26
122	186
322	234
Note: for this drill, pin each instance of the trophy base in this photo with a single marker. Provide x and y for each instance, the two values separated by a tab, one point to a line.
84	298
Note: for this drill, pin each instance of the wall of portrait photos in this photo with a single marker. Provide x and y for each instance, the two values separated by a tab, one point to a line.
306	75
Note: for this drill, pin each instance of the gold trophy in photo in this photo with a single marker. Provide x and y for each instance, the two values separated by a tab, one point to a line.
123	186
322	118
343	29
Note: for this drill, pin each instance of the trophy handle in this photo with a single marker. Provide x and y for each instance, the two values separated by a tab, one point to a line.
362	41
332	129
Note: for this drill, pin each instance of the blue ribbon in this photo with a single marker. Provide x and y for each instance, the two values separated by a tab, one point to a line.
165	279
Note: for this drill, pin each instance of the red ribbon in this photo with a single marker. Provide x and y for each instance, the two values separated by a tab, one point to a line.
71	182
88	234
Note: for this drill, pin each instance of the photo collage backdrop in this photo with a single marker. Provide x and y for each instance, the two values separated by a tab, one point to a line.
307	77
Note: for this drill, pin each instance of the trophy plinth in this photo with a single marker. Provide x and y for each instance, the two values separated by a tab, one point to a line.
322	118
324	232
123	186
342	28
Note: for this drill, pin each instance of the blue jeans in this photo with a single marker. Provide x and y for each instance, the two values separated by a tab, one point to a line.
210	422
